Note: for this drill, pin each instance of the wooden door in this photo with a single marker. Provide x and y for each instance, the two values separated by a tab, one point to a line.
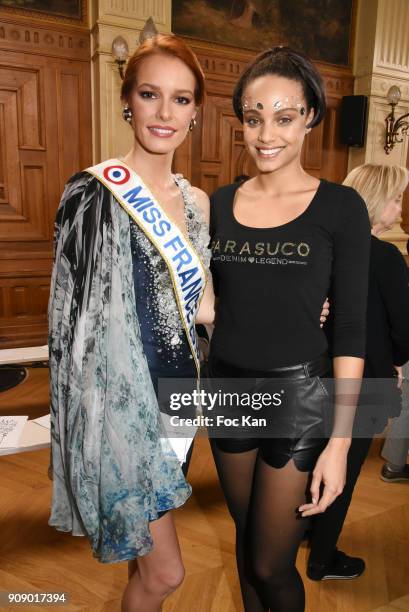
45	136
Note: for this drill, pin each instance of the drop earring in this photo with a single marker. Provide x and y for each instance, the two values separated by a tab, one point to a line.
192	124
127	114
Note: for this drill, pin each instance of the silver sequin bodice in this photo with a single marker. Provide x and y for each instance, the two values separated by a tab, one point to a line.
162	331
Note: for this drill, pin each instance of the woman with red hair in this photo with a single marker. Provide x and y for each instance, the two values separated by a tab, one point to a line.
130	279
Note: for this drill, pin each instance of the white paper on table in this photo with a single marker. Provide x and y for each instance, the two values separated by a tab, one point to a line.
44	421
33	437
24	355
11	428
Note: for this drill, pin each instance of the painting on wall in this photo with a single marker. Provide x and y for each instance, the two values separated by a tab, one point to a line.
319	28
70	9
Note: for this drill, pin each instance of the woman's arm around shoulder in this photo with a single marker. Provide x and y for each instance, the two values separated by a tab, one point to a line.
202	200
206	312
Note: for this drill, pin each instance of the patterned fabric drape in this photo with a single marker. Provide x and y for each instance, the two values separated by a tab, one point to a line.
113	473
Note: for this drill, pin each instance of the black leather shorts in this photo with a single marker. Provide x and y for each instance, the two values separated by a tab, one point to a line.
301	428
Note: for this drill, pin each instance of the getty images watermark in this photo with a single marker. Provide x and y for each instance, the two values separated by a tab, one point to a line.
207	401
270	408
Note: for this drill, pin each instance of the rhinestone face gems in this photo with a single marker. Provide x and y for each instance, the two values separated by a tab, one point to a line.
278	104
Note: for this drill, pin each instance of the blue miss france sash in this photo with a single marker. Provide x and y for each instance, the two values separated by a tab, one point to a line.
184	265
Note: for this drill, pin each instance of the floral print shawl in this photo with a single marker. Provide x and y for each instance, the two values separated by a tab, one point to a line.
113	473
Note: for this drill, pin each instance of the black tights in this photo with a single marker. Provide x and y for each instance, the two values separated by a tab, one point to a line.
263	502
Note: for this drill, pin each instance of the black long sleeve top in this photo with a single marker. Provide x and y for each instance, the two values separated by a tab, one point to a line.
388	310
272	282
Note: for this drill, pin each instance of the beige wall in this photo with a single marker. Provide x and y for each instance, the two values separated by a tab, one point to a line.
381	59
108	19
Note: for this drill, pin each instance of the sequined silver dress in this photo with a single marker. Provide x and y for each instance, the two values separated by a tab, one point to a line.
163	336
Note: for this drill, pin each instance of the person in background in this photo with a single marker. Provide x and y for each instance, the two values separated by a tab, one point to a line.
387	346
396	447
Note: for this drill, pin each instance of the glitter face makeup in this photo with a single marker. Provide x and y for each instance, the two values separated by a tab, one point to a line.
275	117
277	104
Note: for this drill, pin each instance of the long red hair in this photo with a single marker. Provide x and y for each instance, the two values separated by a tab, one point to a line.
163	44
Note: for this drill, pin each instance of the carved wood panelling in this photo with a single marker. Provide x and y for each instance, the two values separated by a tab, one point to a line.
45	136
23	308
338	86
183	155
27	299
24	91
313	149
11	204
21	215
74	117
69	94
34	184
23	331
218	152
17	36
3	192
216	112
222	67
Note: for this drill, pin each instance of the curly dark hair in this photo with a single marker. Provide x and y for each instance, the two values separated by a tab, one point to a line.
285	62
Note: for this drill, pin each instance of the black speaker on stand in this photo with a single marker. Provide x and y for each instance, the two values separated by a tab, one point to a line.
354	110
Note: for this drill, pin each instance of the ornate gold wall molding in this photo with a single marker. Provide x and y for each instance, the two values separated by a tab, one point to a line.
378	85
102	36
381	84
392	48
134	13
